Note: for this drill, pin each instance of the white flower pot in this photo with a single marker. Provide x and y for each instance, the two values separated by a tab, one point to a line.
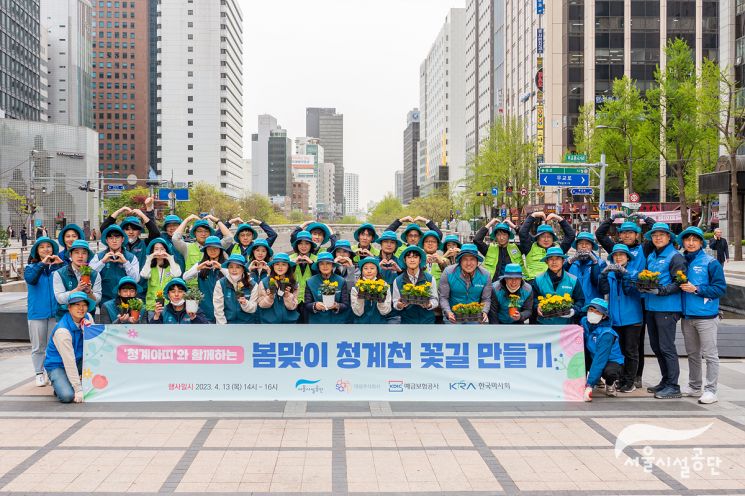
192	306
328	300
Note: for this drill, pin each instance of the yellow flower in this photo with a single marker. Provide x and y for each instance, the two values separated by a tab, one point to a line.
87	374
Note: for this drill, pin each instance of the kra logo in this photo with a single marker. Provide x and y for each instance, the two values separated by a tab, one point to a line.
395	386
462	386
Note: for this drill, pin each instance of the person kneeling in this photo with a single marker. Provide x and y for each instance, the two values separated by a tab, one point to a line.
601	343
175	311
64	361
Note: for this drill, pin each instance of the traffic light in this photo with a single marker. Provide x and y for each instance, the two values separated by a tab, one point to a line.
481	193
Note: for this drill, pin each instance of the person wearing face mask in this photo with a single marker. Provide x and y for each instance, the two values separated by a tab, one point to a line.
67	279
246	235
465	282
365	236
207	273
557	281
42	306
625	308
278	302
534	248
664	309
511	298
64	356
701	293
601	344
586	265
236	295
502	250
66	237
160	267
414	260
316	310
368	311
259	257
114	263
125	291
200	231
174	312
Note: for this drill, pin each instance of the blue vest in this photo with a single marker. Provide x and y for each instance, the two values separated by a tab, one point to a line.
41	301
698	273
587	273
546	287
111	274
389	275
330	317
278	313
234	314
639	263
70	280
624	309
371	314
54	359
594	335
503	299
415	314
460	292
661	263
207	287
168	316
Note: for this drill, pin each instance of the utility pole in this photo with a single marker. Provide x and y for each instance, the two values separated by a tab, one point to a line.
602	165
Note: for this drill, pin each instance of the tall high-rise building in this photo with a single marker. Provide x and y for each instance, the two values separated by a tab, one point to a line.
398	188
411	161
351	193
328	126
304	170
441	150
200	92
326	202
20	80
279	153
120	87
68	25
44	74
260	154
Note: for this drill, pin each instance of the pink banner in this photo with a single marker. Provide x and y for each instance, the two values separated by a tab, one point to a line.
180	354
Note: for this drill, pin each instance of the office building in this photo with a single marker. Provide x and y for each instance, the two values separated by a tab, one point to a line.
326	202
399	185
304	169
351	193
260	154
43	74
200	92
328	126
411	161
20	79
68	27
279	153
300	197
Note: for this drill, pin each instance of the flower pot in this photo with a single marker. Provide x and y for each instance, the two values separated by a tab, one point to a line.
328	300
514	312
192	306
162	301
372	297
85	279
135	314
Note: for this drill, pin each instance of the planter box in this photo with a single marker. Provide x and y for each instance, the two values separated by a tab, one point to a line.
371	297
560	313
646	285
464	319
415	300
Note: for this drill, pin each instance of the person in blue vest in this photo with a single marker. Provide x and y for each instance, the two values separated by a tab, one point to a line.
320	233
534	248
114	263
701	293
235	296
133	225
42	306
390	266
557	281
586	265
414	259
502	250
625	308
317	312
125	291
66	280
629	234
413	233
66	237
278	301
245	235
368	311
207	273
601	343
664	308
170	224
259	256
511	292
64	356
450	248
344	258
365	236
465	282
174	312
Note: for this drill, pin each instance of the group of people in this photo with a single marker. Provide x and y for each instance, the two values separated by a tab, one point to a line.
149	274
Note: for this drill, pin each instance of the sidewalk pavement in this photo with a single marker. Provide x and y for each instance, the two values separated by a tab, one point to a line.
425	448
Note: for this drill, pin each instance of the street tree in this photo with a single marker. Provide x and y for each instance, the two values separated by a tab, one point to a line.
436	206
386	210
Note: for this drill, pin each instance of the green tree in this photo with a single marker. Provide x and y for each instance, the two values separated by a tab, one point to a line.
205	197
386	210
349	219
132	198
258	206
435	206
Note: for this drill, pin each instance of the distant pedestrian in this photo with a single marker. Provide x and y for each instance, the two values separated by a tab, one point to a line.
39	232
24	237
720	246
11	232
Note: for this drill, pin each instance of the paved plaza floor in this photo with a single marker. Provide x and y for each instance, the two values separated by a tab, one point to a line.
366	448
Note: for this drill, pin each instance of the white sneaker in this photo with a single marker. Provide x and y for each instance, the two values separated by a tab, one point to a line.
46	379
708	398
41	381
688	392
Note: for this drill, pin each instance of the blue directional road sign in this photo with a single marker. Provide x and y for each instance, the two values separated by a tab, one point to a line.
181	194
581	191
494	191
503	212
564	176
114	187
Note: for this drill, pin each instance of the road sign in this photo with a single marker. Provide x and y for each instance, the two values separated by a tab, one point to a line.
560	169
575	158
634	198
540	7
603	206
181	194
503	213
539	41
494	191
552	179
114	187
632	205
581	191
523	191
